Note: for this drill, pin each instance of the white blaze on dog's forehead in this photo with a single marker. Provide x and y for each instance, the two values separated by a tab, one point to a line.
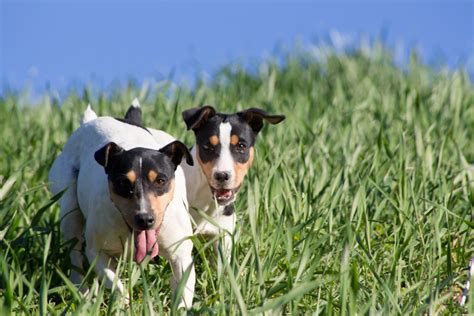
224	134
136	103
140	187
225	163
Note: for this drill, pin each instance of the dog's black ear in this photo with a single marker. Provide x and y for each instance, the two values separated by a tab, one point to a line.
104	155
196	117
176	151
134	113
254	117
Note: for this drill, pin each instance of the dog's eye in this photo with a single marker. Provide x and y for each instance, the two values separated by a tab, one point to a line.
159	182
124	187
207	147
241	147
124	182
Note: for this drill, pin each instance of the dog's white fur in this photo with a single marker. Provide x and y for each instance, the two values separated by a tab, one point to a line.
88	214
88	115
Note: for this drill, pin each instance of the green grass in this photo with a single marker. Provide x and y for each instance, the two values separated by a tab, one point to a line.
360	202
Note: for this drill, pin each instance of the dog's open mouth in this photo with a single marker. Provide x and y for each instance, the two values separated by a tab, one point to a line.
223	195
145	243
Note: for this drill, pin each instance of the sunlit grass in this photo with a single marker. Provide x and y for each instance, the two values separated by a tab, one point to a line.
360	202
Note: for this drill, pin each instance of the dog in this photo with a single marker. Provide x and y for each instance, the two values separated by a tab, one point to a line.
224	151
121	183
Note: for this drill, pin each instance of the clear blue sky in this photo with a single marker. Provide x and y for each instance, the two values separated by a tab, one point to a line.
65	43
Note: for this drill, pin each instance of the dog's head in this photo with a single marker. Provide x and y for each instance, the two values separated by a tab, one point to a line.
141	185
225	146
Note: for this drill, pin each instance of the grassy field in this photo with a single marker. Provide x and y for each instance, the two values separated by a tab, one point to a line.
360	202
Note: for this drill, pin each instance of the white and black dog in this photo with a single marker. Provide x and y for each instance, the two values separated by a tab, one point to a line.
121	181
224	151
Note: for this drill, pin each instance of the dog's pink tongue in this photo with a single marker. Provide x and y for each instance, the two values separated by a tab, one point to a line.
145	241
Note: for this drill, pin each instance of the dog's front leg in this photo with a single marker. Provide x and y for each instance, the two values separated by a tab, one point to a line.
226	228
226	255
105	269
176	246
181	263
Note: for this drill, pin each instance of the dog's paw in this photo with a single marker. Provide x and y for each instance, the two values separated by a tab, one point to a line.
90	293
126	301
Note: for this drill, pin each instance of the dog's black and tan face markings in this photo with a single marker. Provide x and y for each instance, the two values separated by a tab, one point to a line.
131	176
225	145
141	180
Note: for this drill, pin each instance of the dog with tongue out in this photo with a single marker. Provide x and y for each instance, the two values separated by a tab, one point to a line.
123	186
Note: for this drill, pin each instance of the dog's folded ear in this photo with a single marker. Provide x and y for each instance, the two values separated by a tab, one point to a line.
176	151
196	117
255	117
104	155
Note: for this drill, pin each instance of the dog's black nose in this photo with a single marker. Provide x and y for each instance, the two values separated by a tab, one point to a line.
222	176
144	221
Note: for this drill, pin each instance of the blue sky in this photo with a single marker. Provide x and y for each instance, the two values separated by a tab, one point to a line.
62	44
